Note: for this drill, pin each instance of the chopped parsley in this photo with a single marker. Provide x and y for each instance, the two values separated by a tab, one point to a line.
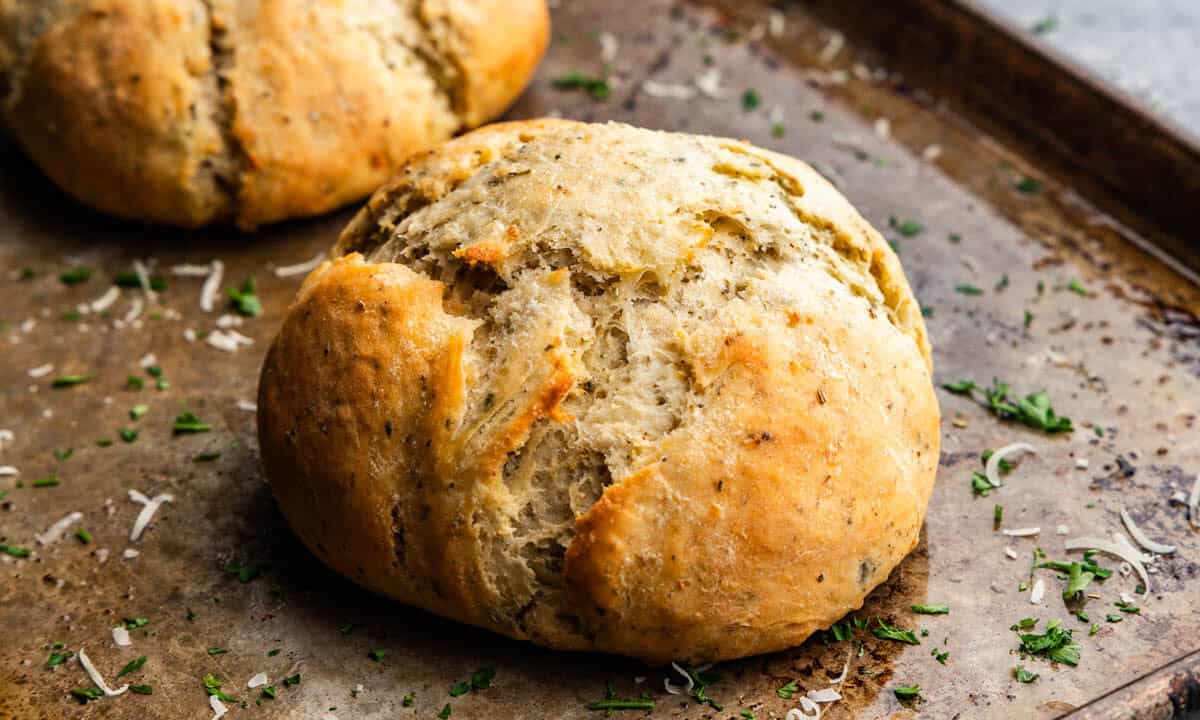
189	423
1028	320
787	692
1101	573
377	654
269	692
967	289
1114	617
86	695
141	689
1077	287
1034	410
75	276
906	228
63	381
127	434
206	457
1128	607
751	100
1028	185
84	536
445	713
243	573
14	551
104	442
274	651
212	686
842	630
27	273
817	116
980	484
931	609
612	702
133	382
907	692
1056	644
1024	676
292	680
997	514
482	678
346	629
595	85
191	615
889	632
48	481
459	689
778	129
137	411
1002	283
133	666
1045	25
62	455
244	299
135	623
217	651
58	658
130	279
409	699
747	715
940	655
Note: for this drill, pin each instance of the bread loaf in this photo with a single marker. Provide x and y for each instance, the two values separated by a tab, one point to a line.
189	112
606	388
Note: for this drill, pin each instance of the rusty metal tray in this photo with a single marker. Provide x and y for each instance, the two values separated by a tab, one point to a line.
1023	175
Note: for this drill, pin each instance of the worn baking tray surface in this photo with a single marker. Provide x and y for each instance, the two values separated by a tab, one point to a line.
1124	357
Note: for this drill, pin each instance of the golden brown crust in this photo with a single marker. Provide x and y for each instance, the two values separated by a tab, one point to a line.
188	112
675	405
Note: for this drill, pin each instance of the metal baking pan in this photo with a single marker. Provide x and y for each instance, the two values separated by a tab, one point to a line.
987	161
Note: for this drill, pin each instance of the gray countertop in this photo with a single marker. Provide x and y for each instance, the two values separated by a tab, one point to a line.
1148	48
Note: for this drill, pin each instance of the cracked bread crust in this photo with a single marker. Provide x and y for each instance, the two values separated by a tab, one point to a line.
599	387
190	112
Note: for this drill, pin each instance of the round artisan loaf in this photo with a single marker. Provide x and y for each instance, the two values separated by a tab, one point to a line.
189	112
601	387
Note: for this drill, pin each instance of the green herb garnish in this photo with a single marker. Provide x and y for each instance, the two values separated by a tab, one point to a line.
482	678
891	632
1056	644
75	276
787	692
217	651
750	100
62	455
1077	287
612	702
206	457
141	689
408	700
189	423
135	623
907	692
459	689
137	411
1077	581
274	651
84	536
1034	410
243	573
1028	185
63	381
86	695
906	228
940	655
58	658
1128	607
269	692
293	680
1023	675
244	299
133	666
445	713
377	654
1114	617
130	279
595	85
967	289
212	686
48	481
133	382
931	609
127	434
14	551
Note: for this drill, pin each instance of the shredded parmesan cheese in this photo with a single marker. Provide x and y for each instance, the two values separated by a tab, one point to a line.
675	689
775	23
121	636
106	300
8	471
259	680
147	360
94	674
212	283
135	311
130	553
144	280
227	340
189	334
709	83
992	469
826	695
55	531
832	47
608	53
1062	530
845	668
668	91
883	128
1020	532
41	371
149	507
931	153
228	321
6	436
186	270
1039	589
1010	553
1141	539
247	406
217	706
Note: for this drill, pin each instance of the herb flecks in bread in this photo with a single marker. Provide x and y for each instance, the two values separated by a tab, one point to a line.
601	387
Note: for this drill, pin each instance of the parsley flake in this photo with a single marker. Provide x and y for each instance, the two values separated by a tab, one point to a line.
890	632
75	276
63	381
931	609
907	692
595	85
1024	676
14	551
133	666
189	423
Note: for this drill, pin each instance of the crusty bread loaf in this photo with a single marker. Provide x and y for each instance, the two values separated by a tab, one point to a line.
606	388
190	112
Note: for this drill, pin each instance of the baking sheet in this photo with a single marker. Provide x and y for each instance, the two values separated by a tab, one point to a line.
1124	357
